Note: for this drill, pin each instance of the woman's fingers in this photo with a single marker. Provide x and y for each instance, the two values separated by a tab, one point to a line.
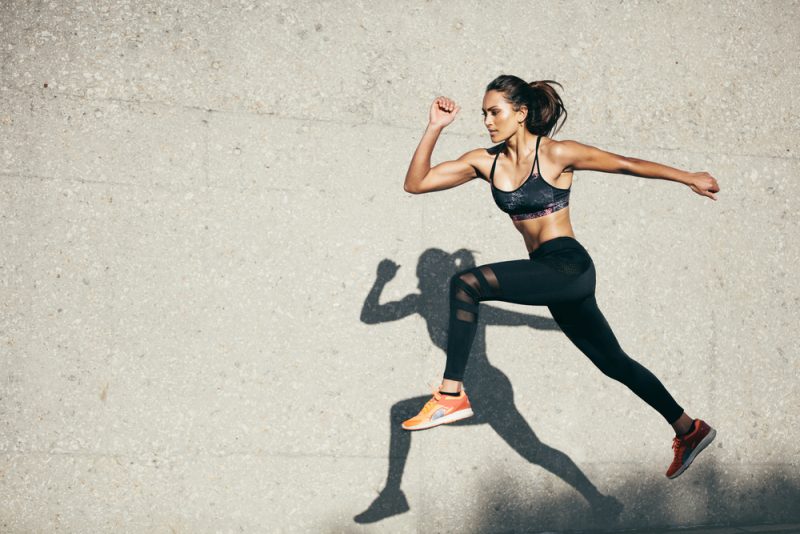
445	103
711	187
443	111
706	185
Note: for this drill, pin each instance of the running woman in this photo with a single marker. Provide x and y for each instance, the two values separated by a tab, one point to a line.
530	177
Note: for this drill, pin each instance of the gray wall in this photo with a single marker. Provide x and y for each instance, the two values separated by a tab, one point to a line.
194	201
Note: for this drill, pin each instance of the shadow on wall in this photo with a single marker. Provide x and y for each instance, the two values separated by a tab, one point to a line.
715	496
491	394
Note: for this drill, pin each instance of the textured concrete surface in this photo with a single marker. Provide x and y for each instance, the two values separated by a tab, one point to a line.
195	198
786	528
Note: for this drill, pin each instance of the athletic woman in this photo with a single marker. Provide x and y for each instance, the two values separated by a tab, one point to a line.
530	176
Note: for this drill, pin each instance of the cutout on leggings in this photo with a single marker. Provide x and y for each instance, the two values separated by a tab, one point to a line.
488	274
467	280
474	285
463	314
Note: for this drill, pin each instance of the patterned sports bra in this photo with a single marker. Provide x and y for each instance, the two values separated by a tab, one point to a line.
534	198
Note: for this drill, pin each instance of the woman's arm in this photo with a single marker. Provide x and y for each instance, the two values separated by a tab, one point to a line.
421	178
577	156
445	175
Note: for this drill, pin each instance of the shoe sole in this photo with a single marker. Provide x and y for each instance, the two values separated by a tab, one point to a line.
700	446
455	416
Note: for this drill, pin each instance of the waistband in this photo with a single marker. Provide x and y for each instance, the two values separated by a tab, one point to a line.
557	243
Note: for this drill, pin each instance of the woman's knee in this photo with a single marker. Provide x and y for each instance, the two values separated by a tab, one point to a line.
565	315
464	286
481	282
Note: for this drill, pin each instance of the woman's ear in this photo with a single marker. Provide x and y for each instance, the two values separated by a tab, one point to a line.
522	114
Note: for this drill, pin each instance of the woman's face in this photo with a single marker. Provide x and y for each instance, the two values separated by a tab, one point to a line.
499	117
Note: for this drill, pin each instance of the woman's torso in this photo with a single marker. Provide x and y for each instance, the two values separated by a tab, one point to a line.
518	180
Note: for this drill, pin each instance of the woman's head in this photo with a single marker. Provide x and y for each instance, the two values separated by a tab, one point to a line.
510	100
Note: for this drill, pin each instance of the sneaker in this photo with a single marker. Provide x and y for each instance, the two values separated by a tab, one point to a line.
439	410
689	445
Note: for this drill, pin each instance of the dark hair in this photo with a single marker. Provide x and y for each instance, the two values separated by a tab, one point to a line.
544	105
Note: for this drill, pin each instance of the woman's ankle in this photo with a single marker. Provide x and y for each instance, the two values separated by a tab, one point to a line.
451	386
683	424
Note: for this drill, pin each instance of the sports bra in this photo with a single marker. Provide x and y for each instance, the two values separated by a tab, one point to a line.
534	198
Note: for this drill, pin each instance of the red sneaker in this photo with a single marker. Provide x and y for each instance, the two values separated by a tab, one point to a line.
689	445
440	409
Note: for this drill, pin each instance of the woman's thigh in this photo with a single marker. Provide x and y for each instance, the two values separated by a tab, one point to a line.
535	282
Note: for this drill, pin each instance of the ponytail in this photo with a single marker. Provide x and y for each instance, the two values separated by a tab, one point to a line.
463	258
549	108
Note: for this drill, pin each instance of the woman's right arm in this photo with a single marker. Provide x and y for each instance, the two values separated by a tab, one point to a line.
421	177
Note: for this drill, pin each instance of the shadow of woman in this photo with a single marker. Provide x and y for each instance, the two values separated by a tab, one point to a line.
491	394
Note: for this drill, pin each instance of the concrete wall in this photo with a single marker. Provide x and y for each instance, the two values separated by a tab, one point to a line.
195	198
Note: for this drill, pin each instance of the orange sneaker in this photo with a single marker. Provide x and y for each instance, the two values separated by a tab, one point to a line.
439	410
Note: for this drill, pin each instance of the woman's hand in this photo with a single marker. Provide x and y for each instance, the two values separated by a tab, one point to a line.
704	184
443	112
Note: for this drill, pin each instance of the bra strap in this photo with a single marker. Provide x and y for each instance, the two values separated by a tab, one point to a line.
536	157
491	174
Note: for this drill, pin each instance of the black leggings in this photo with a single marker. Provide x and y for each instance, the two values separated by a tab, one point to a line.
560	274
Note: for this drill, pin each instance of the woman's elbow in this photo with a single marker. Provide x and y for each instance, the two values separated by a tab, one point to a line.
412	185
627	165
414	189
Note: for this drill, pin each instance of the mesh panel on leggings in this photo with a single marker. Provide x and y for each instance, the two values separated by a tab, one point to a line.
571	261
463	296
471	290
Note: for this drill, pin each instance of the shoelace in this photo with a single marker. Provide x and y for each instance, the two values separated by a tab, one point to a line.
432	403
676	441
435	391
676	447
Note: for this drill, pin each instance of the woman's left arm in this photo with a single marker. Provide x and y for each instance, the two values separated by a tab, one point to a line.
572	155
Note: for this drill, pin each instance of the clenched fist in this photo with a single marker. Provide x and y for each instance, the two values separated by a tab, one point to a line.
443	112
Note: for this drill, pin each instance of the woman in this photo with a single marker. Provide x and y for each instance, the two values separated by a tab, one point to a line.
559	273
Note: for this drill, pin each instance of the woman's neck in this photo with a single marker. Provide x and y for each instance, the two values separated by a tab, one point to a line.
521	145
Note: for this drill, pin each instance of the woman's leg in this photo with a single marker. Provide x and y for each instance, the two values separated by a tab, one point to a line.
587	328
559	271
560	274
532	281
